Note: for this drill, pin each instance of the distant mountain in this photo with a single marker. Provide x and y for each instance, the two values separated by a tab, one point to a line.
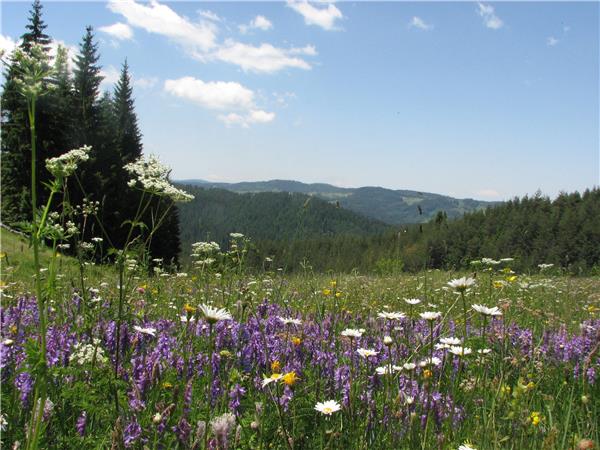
385	205
214	213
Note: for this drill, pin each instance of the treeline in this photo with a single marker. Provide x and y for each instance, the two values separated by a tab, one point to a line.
73	112
283	216
532	230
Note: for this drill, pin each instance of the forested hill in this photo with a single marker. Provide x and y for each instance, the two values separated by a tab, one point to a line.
214	213
386	205
532	230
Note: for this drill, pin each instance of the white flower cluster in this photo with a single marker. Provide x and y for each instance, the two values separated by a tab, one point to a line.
153	176
84	353
202	248
65	164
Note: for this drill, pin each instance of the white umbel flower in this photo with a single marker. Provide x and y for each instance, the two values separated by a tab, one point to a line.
214	315
65	164
152	176
328	407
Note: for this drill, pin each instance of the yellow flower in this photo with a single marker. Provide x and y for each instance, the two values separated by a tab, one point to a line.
189	309
326	291
155	291
333	284
275	366
338	294
498	284
290	378
427	373
511	279
167	385
535	418
530	385
296	341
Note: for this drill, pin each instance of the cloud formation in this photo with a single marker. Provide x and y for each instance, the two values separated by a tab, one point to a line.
417	22
552	41
199	39
324	17
258	23
119	31
490	19
7	44
221	96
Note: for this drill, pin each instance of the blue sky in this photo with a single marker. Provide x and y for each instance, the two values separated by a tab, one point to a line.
481	100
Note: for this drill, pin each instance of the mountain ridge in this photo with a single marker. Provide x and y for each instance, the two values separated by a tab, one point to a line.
391	206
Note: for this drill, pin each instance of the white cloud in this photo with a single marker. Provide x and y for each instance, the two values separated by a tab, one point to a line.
226	96
119	31
324	17
145	82
200	39
552	41
490	19
196	38
111	75
259	22
7	45
209	15
220	95
281	98
264	58
245	120
417	22
72	52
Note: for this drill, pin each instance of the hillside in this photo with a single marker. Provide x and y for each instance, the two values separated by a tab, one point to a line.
214	213
386	205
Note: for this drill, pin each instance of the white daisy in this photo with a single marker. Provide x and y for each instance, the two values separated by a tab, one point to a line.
412	301
366	352
353	332
460	351
289	320
494	311
391	315
148	330
461	284
328	407
214	315
430	315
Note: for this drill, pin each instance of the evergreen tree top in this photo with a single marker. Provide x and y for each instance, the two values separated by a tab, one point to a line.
36	27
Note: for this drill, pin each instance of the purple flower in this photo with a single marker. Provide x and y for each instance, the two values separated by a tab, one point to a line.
132	433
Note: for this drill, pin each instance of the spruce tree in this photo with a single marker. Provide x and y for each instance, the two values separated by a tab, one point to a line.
129	138
35	27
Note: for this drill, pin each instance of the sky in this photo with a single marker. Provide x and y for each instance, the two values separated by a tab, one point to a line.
468	99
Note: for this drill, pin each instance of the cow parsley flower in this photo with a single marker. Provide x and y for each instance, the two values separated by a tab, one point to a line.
152	176
65	165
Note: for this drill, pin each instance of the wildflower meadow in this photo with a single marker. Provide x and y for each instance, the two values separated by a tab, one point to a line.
106	347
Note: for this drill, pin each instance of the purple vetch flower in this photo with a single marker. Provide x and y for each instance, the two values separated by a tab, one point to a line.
183	430
235	395
131	433
81	423
24	383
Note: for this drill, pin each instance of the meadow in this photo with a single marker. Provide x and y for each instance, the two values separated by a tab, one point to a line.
219	357
105	346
